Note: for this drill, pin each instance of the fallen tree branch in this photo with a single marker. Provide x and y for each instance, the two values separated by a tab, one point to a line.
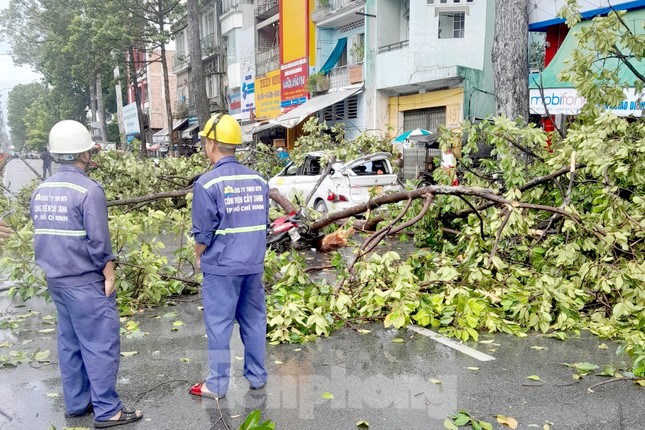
484	193
320	180
150	197
498	236
281	200
530	184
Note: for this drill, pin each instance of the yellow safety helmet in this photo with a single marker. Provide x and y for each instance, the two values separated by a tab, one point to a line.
224	129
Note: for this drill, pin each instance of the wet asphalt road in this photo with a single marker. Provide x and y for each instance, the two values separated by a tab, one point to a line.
414	384
387	384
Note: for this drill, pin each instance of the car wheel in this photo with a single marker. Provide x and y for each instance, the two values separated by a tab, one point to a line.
321	207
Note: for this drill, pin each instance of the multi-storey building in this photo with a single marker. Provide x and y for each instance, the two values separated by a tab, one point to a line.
150	83
213	60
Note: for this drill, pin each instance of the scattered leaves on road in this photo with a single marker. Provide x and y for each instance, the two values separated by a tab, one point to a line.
509	422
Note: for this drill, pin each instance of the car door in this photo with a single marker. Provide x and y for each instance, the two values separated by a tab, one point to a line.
308	176
285	180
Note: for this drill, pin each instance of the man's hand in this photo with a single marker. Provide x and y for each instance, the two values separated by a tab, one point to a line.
110	278
199	250
5	231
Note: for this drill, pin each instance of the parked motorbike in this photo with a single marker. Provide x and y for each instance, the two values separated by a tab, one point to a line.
292	230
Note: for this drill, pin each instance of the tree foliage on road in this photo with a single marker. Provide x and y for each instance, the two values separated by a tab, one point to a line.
543	238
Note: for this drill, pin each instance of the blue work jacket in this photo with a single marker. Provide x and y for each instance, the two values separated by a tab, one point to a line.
230	216
71	236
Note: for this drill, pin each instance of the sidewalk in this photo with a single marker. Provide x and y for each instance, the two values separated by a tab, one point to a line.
372	379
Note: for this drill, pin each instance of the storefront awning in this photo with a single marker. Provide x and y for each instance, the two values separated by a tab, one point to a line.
561	97
162	135
188	133
313	105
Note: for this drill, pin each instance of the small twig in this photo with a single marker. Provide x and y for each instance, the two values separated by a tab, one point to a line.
221	416
317	269
609	381
508	211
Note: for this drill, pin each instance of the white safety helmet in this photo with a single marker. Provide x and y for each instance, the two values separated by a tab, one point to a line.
69	137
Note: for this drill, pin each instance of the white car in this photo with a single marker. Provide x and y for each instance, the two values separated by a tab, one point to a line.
347	185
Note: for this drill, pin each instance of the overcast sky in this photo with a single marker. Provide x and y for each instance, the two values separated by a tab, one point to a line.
10	74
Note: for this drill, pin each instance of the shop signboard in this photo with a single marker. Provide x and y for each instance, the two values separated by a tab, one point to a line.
567	101
131	119
267	96
293	78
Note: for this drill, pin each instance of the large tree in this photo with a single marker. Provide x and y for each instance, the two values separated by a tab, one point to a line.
196	65
510	58
21	99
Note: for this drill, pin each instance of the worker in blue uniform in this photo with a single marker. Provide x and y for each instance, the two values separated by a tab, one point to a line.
72	246
230	216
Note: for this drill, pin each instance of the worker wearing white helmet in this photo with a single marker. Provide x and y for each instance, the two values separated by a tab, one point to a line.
72	246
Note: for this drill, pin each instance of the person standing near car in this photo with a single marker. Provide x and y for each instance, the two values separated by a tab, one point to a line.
230	217
47	162
72	246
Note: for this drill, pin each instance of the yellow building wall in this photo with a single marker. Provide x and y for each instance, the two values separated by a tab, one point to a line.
293	28
452	99
312	34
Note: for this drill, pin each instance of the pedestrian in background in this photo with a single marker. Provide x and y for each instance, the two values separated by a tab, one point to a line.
47	162
230	217
72	246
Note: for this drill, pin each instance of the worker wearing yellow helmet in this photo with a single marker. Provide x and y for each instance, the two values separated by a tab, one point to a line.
230	216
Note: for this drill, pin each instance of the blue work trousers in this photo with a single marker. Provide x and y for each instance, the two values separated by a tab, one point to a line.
88	348
226	299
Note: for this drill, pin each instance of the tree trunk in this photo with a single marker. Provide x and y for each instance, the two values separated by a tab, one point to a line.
197	78
101	108
510	58
137	99
92	101
119	102
166	87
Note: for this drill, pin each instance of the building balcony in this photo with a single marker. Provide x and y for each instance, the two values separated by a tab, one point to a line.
345	76
180	62
334	13
267	60
266	9
393	46
210	46
233	5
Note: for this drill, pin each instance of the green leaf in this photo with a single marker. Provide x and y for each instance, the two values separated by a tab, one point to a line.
397	340
327	395
448	424
435	381
362	425
128	353
533	378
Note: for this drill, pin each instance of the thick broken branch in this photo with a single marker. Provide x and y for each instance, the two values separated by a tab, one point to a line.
150	197
282	201
530	184
320	180
483	193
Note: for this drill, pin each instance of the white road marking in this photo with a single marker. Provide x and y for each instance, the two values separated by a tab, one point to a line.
451	343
